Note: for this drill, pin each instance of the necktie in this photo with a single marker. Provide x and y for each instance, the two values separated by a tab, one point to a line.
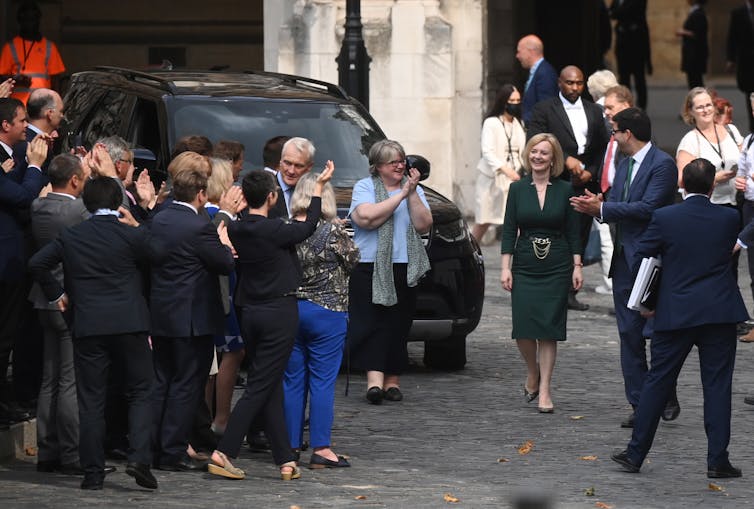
528	81
605	180
628	178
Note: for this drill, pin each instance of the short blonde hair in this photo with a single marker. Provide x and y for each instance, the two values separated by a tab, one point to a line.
688	105
220	180
189	161
600	82
302	197
557	153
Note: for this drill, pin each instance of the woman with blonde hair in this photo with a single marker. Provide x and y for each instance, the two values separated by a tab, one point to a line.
541	262
230	345
327	258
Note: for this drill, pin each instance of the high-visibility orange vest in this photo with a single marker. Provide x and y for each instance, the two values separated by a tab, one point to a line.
37	59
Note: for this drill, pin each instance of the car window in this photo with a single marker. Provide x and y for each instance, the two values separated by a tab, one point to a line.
339	131
144	131
106	119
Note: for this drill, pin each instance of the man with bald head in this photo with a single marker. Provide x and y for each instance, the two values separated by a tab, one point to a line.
542	82
579	127
45	113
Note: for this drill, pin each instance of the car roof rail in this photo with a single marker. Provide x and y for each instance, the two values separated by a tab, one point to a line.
164	84
332	89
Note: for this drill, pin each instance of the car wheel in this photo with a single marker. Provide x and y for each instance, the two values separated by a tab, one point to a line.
448	354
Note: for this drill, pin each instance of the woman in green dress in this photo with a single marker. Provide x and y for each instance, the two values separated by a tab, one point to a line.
541	239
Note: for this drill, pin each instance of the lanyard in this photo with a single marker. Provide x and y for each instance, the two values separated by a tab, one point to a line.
26	52
508	137
719	149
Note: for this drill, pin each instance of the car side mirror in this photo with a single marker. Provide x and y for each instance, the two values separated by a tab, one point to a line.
420	163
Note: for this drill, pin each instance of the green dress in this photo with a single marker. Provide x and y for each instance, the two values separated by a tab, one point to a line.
540	281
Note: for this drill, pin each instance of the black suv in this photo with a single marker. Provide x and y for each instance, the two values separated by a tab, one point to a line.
152	110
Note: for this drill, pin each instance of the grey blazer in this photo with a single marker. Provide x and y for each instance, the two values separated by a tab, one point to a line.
49	216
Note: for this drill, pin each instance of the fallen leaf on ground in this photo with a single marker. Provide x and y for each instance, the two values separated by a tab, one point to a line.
526	447
503	460
450	498
295	507
577	417
603	505
715	487
360	497
30	451
588	458
589	492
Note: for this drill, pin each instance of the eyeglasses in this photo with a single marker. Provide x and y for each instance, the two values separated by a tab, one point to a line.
703	107
613	131
396	163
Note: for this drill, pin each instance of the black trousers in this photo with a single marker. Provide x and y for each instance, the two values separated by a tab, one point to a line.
181	367
93	357
271	325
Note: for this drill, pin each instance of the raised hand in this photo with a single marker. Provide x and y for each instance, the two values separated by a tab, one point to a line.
145	190
8	164
232	200
36	151
126	217
326	174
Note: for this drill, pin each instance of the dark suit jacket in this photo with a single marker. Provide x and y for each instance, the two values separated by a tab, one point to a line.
550	117
102	260
19	155
632	33
268	266
280	210
695	50
15	199
653	187
19	160
185	293
740	47
49	216
544	85
697	285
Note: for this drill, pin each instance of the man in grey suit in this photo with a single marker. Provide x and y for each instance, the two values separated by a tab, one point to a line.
57	407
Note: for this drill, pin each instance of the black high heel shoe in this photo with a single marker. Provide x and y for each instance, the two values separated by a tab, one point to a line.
530	396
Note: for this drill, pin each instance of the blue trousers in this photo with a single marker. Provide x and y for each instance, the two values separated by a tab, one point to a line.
631	328
312	369
717	354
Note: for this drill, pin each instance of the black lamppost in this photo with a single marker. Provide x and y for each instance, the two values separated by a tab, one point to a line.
353	61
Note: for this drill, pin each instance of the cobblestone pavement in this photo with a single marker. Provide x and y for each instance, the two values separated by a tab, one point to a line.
458	434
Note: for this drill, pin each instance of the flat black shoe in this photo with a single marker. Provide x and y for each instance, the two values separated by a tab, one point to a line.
91	483
258	443
318	461
622	459
575	305
672	408
48	466
109	469
183	466
629	423
723	471
393	394
142	475
749	400
375	395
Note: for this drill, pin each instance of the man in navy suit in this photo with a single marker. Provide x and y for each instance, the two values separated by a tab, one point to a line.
45	113
15	199
103	285
698	303
542	82
186	308
645	181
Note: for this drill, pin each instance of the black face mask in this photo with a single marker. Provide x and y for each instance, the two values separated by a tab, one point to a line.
513	109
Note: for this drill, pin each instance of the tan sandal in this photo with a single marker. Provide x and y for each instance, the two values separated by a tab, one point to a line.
295	472
226	470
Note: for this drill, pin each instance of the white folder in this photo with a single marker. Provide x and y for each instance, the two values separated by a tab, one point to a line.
644	292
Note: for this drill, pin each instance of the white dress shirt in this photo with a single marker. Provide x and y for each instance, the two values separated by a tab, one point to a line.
577	118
